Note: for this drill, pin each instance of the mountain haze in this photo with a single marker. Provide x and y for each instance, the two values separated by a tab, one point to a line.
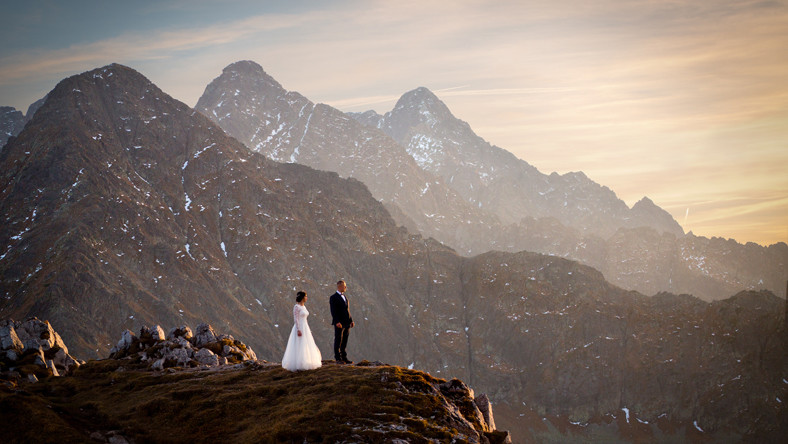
494	179
438	178
123	207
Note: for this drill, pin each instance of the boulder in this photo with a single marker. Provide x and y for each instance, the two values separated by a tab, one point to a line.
180	347
8	337
51	366
180	332
40	360
485	406
35	332
126	339
181	356
150	336
206	357
204	335
10	355
65	361
34	341
158	365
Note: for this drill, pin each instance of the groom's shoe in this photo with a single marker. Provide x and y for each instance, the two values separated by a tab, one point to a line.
347	361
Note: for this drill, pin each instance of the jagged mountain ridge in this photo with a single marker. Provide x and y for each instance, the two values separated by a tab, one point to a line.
123	207
286	127
496	180
250	105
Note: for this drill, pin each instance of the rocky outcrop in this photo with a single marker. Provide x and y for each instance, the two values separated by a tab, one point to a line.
33	349
180	348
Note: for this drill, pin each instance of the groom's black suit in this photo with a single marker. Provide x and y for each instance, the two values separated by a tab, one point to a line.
340	314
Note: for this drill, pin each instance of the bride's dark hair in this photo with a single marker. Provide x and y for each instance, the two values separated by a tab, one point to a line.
300	296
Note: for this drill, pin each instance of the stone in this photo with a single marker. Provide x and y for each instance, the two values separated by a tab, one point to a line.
158	333
180	332
152	335
183	343
181	355
114	437
65	361
204	335
35	332
8	337
51	366
485	406
40	359
206	357
11	355
126	339
158	365
32	378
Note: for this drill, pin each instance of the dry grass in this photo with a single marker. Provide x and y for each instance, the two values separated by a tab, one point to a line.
250	404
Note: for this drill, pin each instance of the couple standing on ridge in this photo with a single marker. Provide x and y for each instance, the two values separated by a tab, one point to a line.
301	352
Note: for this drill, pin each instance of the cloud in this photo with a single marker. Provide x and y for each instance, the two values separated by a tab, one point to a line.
135	46
673	99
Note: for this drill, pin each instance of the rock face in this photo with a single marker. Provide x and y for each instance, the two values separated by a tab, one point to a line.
122	207
12	121
180	348
33	349
438	178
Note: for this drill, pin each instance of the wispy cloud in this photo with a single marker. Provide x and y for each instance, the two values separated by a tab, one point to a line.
136	46
674	99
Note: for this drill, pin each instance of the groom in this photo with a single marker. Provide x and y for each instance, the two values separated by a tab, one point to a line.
340	317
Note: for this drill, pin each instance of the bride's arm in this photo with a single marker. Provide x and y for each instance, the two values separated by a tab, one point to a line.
296	312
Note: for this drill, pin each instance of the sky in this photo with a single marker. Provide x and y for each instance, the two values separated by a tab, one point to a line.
682	101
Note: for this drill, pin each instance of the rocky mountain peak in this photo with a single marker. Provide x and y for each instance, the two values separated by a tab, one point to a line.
418	108
247	70
420	98
646	213
251	106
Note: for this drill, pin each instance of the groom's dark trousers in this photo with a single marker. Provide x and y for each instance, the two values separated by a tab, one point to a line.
340	342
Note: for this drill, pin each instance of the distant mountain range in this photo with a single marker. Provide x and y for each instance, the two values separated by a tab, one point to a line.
12	121
123	207
440	179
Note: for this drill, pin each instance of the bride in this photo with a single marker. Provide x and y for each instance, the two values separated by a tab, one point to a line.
301	352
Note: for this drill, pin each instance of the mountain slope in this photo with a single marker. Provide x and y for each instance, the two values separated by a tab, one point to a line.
117	194
285	126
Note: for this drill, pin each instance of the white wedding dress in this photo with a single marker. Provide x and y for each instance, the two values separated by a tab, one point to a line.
301	352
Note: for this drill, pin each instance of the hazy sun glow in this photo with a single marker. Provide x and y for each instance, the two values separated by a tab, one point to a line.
681	101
